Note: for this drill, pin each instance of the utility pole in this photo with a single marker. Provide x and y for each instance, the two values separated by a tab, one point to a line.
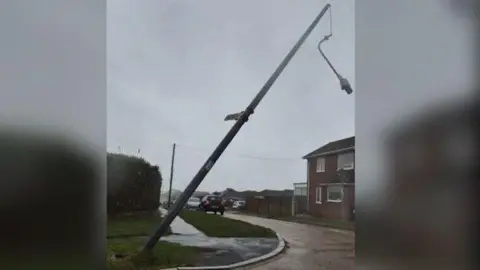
171	177
217	152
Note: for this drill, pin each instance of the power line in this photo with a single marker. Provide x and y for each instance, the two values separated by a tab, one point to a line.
240	155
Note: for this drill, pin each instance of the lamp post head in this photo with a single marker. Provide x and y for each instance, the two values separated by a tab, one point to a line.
345	85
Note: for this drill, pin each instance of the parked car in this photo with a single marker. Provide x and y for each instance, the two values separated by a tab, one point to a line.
237	205
192	204
212	203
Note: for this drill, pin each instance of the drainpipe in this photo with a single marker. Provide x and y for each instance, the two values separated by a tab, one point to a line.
308	187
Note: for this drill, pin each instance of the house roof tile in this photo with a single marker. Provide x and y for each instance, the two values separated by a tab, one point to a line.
332	146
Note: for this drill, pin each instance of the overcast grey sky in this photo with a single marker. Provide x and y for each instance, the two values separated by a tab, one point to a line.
176	68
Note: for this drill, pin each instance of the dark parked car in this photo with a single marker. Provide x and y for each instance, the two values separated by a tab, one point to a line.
212	203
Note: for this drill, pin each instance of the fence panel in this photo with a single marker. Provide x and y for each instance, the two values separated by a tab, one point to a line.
271	206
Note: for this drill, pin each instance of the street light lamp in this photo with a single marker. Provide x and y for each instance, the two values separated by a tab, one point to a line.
344	84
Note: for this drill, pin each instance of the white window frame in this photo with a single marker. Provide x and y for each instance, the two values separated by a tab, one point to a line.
341	192
318	195
347	166
321	160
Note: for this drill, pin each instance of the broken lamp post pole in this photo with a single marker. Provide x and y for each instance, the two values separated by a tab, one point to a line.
241	118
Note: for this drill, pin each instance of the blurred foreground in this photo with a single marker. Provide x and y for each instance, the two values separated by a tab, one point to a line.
427	219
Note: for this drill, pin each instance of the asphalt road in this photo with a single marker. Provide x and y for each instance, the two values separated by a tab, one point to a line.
309	246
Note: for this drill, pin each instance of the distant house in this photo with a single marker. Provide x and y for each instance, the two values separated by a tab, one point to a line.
242	195
331	180
231	194
300	189
276	193
200	194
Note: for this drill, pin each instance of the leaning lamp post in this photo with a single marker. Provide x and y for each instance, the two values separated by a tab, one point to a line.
344	83
241	118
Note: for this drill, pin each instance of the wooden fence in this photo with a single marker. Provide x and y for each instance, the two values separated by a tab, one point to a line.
271	206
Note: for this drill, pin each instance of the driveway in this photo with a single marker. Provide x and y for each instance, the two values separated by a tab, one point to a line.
310	247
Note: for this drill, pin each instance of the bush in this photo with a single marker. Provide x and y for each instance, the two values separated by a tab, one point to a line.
133	184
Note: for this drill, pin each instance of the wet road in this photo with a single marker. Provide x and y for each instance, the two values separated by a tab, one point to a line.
310	247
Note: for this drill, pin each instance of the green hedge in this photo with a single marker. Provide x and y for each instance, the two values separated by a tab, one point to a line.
133	184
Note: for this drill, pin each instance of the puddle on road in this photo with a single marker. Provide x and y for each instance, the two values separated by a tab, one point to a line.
179	226
246	248
225	250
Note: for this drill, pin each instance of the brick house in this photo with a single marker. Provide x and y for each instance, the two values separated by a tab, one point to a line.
331	180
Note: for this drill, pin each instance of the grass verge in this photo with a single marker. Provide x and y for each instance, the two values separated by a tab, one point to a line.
164	255
127	234
131	226
219	226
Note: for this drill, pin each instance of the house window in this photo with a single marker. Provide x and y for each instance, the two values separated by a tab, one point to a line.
320	164
318	195
300	191
334	194
346	161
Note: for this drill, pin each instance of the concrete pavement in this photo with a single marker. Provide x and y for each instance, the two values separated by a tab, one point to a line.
310	247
